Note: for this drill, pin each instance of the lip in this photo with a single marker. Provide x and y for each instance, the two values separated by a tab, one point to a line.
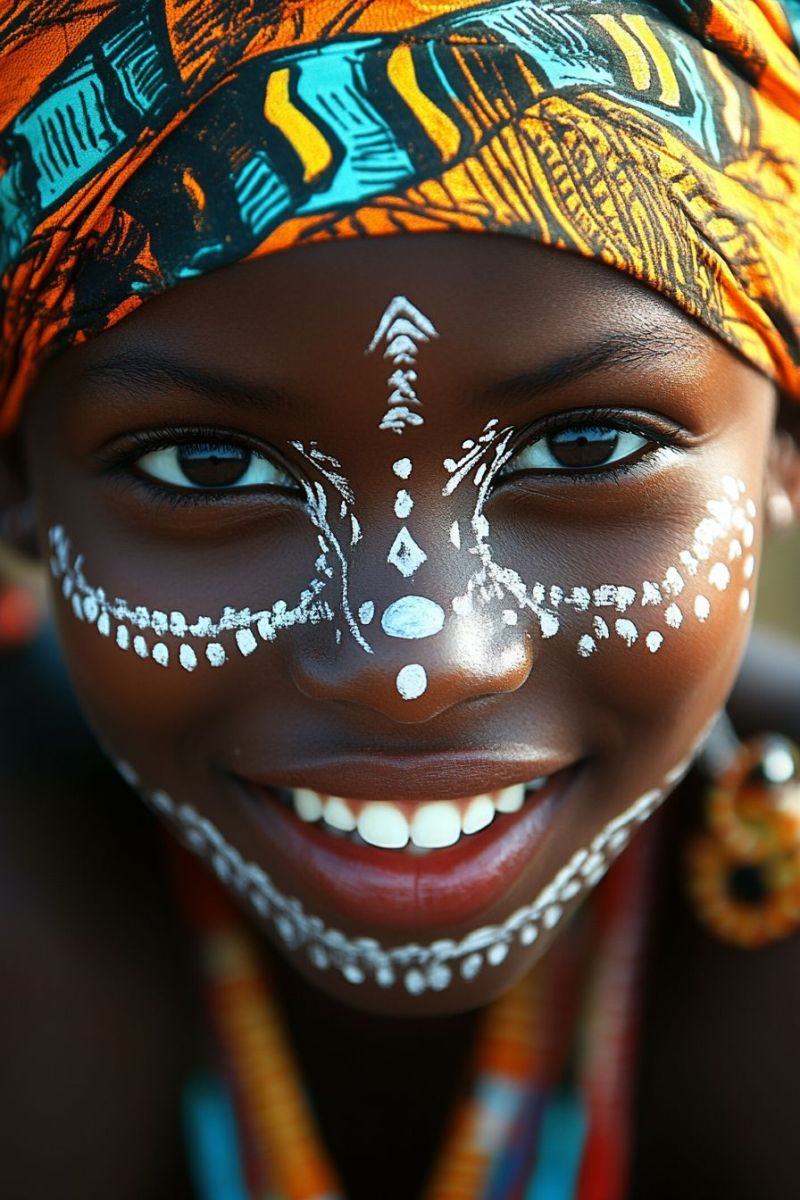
399	891
414	777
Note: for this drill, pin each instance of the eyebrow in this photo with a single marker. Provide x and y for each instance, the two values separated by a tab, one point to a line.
130	371
623	349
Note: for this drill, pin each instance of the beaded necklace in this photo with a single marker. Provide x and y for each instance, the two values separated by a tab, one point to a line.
545	1117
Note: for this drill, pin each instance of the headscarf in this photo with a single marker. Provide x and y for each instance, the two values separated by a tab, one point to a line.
145	142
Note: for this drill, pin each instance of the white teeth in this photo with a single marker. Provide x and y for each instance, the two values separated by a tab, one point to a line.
428	826
436	825
478	814
382	824
511	799
337	814
307	804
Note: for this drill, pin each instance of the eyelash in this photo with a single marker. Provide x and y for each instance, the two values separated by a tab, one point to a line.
140	442
589	418
121	460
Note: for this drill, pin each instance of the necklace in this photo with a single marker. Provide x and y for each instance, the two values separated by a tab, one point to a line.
545	1118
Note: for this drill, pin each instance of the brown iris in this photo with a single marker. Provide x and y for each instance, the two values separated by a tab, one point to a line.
213	464
583	447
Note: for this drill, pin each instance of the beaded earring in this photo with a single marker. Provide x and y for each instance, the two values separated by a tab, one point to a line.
742	872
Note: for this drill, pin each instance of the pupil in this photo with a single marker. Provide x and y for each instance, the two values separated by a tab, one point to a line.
583	447
213	465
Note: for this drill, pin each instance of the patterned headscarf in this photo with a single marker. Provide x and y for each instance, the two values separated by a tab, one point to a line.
145	142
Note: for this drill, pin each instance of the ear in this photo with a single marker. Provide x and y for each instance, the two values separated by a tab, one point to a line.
783	470
17	508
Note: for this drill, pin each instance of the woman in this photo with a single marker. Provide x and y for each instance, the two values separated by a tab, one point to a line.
403	579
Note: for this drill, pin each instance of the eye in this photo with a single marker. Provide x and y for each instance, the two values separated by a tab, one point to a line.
213	465
577	448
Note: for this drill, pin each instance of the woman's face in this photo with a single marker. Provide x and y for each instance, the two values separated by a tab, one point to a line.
402	577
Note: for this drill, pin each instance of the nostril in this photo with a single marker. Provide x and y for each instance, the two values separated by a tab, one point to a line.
413	680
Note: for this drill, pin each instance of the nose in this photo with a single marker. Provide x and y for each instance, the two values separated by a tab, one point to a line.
412	679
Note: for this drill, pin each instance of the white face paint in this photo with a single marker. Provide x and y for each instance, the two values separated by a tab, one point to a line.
238	630
647	612
403	327
653	609
712	556
417	968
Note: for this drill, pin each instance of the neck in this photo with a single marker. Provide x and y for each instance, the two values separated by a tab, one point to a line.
382	1088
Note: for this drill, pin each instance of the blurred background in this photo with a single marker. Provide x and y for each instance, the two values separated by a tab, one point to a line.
778	606
779	591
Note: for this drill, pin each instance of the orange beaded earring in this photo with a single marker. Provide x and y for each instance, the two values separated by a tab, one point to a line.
743	870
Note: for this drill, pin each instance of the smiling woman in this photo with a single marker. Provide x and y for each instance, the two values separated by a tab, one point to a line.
404	579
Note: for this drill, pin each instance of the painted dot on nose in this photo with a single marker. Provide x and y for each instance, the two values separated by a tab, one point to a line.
411	681
412	617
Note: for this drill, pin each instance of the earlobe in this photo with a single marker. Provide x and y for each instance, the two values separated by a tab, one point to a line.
782	499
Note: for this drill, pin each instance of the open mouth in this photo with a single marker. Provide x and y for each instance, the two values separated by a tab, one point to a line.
401	825
406	864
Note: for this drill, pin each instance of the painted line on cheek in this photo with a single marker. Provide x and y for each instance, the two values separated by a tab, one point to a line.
161	654
673	616
491	582
85	599
188	658
246	642
702	608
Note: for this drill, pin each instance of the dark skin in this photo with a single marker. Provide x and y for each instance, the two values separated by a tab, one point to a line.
628	718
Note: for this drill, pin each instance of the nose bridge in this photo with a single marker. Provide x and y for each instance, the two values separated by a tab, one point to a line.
407	647
411	677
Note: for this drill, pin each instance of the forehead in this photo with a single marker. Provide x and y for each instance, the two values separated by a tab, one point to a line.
490	297
280	345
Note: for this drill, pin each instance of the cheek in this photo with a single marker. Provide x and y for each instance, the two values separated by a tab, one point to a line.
657	586
160	638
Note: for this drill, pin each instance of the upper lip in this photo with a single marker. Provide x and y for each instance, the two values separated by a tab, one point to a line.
417	777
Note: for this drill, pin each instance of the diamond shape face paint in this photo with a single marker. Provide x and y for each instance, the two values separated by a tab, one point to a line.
632	615
405	554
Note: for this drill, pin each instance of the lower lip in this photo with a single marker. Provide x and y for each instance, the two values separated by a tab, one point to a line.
396	890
